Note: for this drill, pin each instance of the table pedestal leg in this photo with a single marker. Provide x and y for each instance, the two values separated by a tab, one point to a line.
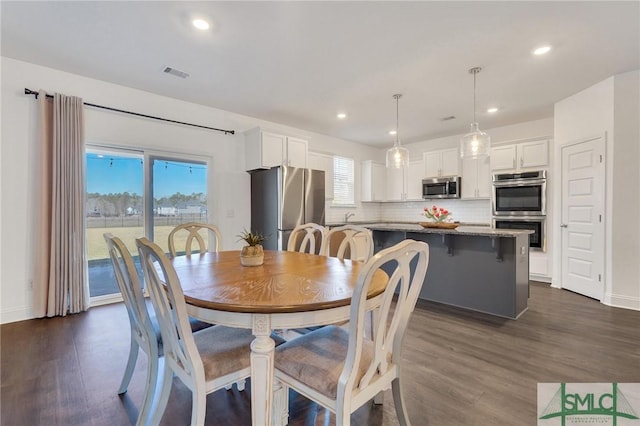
261	371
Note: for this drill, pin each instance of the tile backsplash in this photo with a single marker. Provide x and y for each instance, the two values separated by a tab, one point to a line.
466	211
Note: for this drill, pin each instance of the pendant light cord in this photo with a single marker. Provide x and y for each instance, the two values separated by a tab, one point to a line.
397	97
474	71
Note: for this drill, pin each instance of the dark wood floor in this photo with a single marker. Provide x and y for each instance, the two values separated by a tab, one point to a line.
460	367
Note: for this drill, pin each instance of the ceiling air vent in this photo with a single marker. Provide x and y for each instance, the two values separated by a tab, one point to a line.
177	73
451	117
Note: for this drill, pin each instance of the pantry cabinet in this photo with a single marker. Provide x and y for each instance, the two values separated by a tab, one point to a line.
414	180
525	155
373	185
264	149
476	178
323	162
396	184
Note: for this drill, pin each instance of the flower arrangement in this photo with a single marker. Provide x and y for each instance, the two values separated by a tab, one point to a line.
437	214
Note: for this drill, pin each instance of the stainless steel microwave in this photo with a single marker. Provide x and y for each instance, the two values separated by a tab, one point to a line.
448	187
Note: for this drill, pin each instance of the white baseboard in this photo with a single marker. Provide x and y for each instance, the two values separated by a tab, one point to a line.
541	278
16	314
619	301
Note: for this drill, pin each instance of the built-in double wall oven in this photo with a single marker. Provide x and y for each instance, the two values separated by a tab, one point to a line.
520	202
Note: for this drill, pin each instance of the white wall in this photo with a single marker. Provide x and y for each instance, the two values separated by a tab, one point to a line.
610	107
626	197
228	182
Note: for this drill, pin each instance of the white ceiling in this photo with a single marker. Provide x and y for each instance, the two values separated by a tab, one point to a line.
299	63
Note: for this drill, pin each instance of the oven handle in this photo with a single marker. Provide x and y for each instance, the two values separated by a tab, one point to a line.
516	183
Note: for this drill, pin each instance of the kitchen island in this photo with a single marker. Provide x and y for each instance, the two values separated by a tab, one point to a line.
473	267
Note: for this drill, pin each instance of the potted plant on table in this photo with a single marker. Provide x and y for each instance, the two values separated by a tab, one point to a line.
252	254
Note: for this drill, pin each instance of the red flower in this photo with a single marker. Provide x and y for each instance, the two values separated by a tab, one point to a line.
444	211
426	209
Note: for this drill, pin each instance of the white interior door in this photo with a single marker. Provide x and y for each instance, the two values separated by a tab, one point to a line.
582	222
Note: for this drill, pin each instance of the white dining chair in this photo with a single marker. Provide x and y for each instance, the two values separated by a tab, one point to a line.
193	235
342	369
348	242
205	361
144	334
307	238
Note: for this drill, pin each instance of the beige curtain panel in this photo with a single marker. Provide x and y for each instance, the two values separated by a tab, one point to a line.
60	278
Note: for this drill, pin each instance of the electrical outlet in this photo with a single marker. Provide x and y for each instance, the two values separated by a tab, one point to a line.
231	213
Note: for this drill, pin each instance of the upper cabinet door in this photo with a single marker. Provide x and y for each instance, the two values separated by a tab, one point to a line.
441	163
521	156
272	149
432	164
264	150
503	157
450	161
297	152
534	154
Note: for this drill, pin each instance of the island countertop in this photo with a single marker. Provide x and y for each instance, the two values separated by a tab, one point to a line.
486	231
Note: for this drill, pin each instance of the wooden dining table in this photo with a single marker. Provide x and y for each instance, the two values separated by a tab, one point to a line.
290	290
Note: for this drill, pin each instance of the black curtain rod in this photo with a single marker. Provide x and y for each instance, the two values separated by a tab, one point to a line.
232	132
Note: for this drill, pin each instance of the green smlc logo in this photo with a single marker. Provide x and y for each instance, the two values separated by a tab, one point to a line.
565	405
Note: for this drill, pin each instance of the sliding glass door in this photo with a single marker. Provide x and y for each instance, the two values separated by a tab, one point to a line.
114	203
179	196
130	200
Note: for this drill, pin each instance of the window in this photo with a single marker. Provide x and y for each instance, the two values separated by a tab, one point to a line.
343	185
130	200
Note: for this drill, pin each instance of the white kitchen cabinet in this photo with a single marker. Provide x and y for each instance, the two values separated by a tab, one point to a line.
525	155
323	162
396	184
441	163
373	185
476	178
414	180
264	150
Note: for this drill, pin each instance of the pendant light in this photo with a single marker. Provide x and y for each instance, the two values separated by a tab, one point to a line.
476	143
397	156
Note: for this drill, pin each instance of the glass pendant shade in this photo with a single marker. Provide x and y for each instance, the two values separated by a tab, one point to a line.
397	156
475	144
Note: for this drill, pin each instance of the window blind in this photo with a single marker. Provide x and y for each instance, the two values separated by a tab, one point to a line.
343	181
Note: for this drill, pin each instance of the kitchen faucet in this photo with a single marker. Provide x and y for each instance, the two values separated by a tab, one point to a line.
348	215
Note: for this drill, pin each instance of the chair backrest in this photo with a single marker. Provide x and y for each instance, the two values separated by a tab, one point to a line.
192	231
307	238
348	242
406	264
126	275
171	311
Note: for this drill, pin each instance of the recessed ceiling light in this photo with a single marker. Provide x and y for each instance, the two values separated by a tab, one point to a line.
200	24
492	110
341	115
392	132
542	50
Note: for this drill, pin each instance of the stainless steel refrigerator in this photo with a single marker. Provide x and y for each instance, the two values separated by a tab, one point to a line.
283	198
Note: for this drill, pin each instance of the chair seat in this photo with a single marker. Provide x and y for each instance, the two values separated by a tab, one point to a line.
317	358
223	349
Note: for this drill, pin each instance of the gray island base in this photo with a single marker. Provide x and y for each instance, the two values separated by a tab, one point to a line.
477	268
